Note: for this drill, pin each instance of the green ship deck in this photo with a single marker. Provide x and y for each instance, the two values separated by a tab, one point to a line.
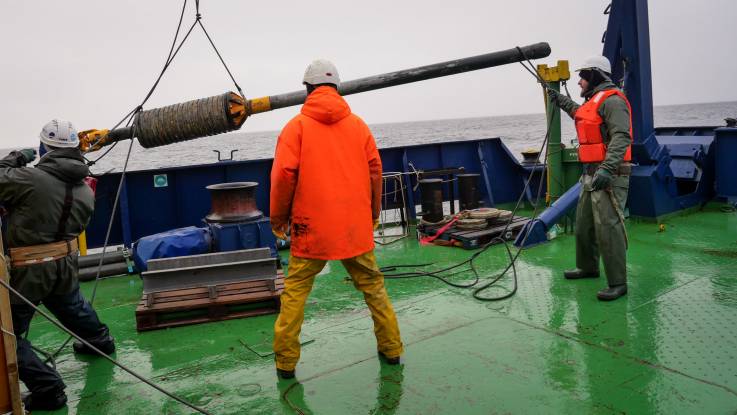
669	346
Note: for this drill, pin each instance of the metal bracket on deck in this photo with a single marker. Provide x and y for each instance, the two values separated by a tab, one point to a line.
212	291
149	299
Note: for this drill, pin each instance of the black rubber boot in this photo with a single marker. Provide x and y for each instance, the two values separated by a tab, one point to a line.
106	345
577	274
285	374
389	360
612	293
45	401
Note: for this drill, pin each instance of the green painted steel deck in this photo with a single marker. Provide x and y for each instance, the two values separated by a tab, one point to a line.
669	346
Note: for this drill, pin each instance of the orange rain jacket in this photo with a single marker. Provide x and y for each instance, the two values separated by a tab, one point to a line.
326	179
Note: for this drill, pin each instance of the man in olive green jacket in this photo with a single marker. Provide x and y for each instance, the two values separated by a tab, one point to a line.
46	204
600	227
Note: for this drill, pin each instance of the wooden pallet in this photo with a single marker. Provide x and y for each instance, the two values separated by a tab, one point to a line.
474	239
181	307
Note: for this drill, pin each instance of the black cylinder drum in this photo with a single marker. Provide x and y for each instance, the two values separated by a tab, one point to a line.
468	191
233	202
431	192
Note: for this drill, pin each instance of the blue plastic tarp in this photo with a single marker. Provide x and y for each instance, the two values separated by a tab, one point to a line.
174	243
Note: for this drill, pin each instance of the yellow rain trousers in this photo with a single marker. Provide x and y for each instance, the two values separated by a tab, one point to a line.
297	286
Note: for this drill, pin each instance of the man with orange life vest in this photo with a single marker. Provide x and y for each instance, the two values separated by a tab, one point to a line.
326	180
604	128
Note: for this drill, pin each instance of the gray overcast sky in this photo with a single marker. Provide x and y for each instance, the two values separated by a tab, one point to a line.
92	61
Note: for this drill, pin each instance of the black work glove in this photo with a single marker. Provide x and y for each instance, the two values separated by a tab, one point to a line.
29	154
602	179
554	96
24	156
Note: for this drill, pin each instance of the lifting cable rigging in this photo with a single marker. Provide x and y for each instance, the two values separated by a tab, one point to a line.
127	120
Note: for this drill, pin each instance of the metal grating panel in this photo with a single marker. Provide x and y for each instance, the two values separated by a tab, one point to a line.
209	270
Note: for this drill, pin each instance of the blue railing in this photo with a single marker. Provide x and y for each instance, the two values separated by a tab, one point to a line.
153	201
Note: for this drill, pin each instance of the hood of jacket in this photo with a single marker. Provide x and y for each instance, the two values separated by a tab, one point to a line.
326	105
66	164
603	86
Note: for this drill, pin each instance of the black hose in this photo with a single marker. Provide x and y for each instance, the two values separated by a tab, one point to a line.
471	260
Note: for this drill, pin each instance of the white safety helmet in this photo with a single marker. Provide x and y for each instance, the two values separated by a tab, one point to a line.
59	133
321	71
597	62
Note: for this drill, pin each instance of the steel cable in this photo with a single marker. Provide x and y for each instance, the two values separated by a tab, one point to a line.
98	351
129	117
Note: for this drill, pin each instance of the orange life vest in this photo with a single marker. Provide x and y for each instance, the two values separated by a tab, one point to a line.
591	147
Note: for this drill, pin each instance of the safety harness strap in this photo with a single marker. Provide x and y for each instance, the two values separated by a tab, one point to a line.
65	212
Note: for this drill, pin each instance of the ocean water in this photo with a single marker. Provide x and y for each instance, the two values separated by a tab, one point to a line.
518	132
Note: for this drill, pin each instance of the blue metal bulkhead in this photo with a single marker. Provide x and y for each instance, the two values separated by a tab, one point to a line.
148	207
725	165
681	177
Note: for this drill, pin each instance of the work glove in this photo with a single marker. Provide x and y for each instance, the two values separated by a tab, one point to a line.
554	96
279	231
29	154
602	179
376	223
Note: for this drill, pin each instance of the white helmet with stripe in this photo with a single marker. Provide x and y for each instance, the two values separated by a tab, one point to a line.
59	133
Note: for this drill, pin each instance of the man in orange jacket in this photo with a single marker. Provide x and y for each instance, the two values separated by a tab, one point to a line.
326	181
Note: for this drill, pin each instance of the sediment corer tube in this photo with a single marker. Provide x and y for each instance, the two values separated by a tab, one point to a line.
227	112
406	76
185	121
190	120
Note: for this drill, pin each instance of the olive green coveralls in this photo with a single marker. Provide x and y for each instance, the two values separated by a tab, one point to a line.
600	231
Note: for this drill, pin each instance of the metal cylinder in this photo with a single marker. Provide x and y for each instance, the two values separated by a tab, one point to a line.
233	202
468	191
93	260
530	156
89	273
185	121
421	73
431	193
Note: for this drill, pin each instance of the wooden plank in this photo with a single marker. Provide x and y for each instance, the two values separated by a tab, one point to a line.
203	290
172	297
204	302
145	324
167	311
9	363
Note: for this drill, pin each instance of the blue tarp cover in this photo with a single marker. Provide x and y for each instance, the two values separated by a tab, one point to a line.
176	242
